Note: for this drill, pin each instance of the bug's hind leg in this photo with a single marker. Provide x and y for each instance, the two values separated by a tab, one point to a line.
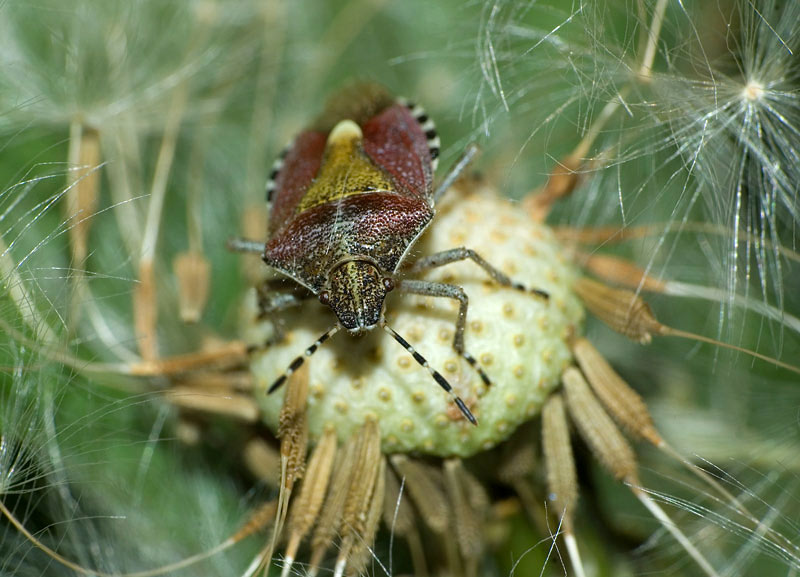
462	253
437	289
455	171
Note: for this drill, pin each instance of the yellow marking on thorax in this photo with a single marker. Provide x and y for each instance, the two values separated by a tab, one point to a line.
346	170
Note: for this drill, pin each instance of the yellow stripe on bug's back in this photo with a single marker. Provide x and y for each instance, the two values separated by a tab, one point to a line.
346	170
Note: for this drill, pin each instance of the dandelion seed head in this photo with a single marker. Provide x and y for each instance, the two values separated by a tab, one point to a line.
753	91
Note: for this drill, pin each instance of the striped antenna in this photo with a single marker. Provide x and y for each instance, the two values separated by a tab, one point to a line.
298	362
434	373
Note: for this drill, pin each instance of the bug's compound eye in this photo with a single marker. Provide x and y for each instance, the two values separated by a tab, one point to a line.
325	297
388	284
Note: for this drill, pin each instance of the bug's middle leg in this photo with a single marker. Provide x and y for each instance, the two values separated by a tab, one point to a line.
462	253
438	289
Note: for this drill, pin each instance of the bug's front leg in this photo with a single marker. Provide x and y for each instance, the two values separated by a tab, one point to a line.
276	295
462	253
438	289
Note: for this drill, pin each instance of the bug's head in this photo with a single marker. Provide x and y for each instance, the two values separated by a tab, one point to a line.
355	291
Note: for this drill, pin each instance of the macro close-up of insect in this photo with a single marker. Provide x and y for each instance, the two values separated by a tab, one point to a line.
545	324
344	217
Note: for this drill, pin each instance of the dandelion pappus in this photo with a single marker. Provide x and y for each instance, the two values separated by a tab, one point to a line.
349	199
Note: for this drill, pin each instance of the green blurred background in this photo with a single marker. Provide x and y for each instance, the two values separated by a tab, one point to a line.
95	463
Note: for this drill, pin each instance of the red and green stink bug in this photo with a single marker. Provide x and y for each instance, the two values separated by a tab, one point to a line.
348	200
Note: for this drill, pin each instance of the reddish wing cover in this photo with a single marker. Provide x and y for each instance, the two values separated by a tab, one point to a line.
380	226
300	166
393	140
377	224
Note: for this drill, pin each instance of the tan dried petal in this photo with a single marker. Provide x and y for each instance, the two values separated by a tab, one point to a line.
260	518
562	483
361	553
597	428
398	514
193	274
241	407
81	196
622	310
330	517
519	459
563	179
215	380
624	404
466	519
307	504
229	354
363	480
293	426
254	226
145	310
424	484
477	497
620	271
263	460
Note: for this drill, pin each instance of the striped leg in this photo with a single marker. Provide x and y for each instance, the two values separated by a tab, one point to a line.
440	380
298	361
437	289
461	253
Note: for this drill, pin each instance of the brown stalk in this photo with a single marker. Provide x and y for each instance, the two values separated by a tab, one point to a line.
216	380
398	515
624	404
361	553
293	433
254	225
259	519
238	406
424	484
193	274
620	271
627	313
81	195
466	519
293	428
230	354
516	469
308	503
562	483
597	428
363	481
563	179
263	460
519	459
621	309
145	313
331	514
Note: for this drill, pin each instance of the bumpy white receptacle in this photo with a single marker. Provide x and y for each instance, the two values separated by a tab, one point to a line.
520	340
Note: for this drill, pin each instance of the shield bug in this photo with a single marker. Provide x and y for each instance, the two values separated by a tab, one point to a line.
348	199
